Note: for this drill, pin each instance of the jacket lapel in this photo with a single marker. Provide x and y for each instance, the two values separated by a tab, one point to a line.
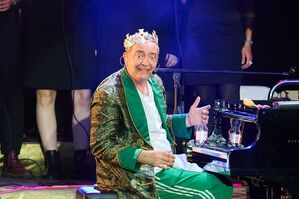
135	107
161	106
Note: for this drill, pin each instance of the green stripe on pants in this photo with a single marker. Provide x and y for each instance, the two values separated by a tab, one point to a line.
179	183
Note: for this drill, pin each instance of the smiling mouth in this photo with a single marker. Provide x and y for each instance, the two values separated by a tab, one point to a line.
144	69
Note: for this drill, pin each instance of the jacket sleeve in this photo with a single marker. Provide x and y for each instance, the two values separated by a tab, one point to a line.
177	124
107	139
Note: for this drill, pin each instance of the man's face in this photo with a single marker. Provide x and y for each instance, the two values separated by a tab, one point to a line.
141	60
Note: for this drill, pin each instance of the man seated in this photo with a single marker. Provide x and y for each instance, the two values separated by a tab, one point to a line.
133	139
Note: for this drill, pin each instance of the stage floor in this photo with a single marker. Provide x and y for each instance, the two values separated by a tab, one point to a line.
30	189
32	157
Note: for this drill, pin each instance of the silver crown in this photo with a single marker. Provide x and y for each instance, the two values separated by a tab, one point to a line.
140	37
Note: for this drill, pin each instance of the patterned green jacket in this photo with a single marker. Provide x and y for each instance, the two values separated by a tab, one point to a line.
119	132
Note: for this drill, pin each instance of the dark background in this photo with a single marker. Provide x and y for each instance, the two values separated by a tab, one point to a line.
276	40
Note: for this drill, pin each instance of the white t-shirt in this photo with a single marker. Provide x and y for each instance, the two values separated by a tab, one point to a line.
158	134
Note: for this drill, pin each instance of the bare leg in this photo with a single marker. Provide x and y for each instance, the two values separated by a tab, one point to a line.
46	118
83	164
81	114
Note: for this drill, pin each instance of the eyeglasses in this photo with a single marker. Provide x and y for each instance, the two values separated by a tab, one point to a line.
139	56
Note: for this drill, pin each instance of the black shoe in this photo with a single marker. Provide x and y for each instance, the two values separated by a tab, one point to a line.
52	163
13	168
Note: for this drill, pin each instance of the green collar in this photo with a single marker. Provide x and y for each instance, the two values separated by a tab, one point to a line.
135	107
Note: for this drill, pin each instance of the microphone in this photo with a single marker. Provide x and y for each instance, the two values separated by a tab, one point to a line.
176	77
155	71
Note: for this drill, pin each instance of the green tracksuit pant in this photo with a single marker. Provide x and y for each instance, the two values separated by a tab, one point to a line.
178	183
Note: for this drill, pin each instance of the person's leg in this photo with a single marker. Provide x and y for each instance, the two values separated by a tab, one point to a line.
47	126
81	126
207	94
11	117
11	96
15	105
229	92
178	183
46	118
81	120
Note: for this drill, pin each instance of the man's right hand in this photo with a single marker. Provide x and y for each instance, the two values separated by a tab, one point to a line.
5	5
157	158
197	116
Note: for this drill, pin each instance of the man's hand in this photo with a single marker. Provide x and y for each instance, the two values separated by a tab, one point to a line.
197	116
171	60
157	158
5	5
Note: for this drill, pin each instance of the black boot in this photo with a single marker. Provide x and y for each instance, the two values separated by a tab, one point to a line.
52	163
83	165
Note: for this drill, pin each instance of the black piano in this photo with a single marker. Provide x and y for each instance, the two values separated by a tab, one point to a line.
269	146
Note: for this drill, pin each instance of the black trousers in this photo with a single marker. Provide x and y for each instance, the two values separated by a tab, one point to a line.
11	94
11	119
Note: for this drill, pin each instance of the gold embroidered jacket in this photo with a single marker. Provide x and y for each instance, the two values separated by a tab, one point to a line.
119	132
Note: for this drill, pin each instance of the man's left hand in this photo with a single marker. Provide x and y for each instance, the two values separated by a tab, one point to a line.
197	116
5	5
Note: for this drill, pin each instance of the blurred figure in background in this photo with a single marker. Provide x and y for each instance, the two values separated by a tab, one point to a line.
11	92
218	37
60	40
